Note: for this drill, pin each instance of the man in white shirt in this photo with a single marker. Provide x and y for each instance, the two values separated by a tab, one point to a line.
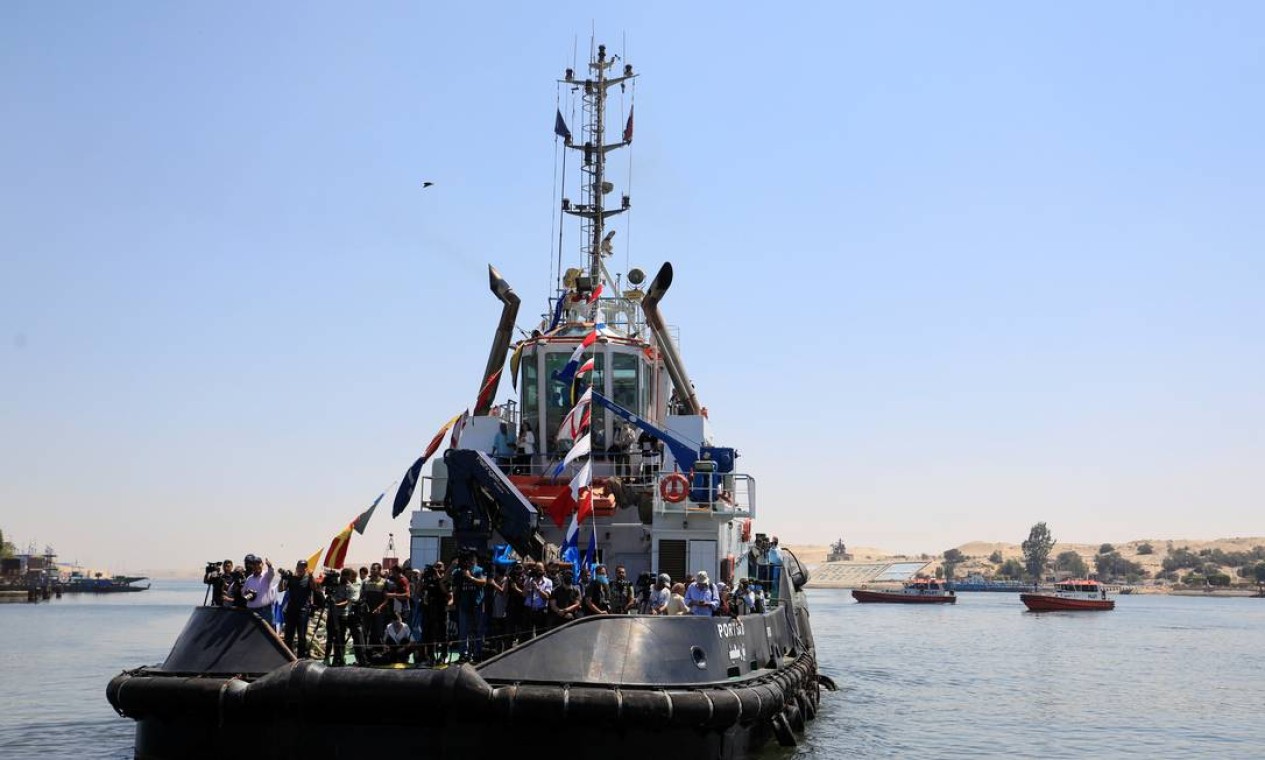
536	593
260	588
398	637
660	595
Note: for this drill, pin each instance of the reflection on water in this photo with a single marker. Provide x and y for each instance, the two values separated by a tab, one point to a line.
1160	676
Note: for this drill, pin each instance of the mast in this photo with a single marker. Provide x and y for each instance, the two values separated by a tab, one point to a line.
592	207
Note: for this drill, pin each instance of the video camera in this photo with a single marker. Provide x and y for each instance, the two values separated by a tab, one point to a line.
331	579
645	582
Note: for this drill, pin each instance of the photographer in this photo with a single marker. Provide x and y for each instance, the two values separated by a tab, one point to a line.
218	575
468	582
298	607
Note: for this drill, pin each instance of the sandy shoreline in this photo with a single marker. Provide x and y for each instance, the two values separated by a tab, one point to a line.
977	560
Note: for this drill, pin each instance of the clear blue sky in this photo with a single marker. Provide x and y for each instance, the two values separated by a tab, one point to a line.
943	270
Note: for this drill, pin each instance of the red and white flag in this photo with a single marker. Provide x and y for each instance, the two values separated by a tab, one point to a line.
577	419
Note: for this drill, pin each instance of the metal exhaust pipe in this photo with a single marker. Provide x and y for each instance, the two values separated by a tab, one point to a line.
671	357
500	341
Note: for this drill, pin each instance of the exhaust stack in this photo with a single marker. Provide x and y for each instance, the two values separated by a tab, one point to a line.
500	341
671	358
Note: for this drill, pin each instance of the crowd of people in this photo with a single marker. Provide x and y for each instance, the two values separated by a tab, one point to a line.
430	616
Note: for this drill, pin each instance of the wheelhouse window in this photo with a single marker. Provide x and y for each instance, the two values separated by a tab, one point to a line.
556	397
530	393
624	381
559	397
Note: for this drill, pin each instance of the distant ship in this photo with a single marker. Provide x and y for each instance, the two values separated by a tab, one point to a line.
916	591
980	583
79	583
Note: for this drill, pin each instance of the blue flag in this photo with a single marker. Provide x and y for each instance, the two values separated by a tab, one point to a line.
407	485
560	127
557	312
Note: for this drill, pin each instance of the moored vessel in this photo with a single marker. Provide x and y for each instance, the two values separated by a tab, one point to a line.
621	467
77	583
1070	595
917	591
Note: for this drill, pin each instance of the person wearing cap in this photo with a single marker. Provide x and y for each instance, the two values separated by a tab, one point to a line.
661	594
775	568
297	607
701	596
260	588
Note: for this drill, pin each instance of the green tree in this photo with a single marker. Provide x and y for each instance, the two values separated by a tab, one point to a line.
1036	550
1109	566
953	555
1071	562
1106	549
1259	572
1011	568
995	558
1145	548
6	549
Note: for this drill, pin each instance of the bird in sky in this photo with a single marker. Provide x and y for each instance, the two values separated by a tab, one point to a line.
426	185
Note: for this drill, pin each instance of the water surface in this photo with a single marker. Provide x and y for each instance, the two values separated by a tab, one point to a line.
1159	676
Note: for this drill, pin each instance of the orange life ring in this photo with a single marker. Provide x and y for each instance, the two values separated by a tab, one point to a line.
746	531
673	488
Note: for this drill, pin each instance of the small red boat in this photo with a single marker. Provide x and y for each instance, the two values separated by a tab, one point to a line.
917	591
1070	595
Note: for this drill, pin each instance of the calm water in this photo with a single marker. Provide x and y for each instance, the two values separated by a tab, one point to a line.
1163	677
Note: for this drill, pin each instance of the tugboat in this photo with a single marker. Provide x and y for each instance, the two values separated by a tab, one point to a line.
1070	595
917	591
621	452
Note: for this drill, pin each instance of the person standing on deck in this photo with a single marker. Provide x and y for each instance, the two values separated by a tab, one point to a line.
775	569
622	596
298	606
526	446
467	588
373	596
503	447
701	597
260	588
625	439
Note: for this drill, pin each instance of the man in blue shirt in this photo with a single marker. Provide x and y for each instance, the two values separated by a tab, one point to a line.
467	588
701	597
503	446
775	568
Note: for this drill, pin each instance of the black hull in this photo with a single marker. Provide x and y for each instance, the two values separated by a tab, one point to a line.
307	710
618	686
